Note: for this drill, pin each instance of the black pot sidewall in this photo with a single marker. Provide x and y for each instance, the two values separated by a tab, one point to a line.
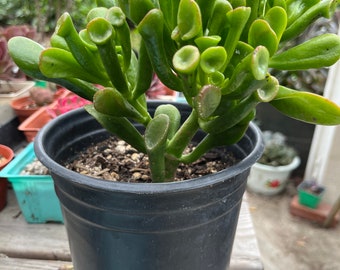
185	225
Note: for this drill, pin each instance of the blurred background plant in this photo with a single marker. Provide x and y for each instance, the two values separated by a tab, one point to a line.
276	151
42	14
36	20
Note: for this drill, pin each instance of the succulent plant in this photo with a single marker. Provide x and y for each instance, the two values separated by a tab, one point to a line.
8	70
276	151
217	53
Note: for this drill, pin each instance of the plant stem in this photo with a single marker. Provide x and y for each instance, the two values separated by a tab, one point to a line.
183	136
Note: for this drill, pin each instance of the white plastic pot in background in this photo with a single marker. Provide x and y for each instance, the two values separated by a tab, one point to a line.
270	180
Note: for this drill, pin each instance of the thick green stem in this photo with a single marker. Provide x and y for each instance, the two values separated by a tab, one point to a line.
184	135
210	141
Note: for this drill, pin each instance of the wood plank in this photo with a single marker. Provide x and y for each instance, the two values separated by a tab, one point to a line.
25	264
245	254
35	241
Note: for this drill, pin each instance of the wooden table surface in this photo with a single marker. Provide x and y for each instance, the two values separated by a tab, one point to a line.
26	246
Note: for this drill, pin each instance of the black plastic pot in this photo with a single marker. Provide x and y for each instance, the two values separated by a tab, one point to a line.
112	225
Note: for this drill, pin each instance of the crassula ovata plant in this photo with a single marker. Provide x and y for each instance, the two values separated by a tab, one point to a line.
217	53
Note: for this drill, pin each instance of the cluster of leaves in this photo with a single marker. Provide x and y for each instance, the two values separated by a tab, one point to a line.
312	80
218	54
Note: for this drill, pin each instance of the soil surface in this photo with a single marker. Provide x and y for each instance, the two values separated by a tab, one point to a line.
115	160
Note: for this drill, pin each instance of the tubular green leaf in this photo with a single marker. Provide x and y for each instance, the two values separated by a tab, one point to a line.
84	35
98	12
144	73
58	63
58	42
205	42
139	8
156	135
296	8
186	59
206	8
189	20
101	33
305	17
249	74
231	116
120	127
174	117
307	107
237	19
277	19
207	101
111	102
151	30
213	59
25	53
80	52
118	20
269	90
218	18
260	33
321	51
169	9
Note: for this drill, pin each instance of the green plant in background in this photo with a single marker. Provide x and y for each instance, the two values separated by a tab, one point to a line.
216	53
42	14
276	151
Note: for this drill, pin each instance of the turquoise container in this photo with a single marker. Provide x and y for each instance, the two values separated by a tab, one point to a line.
35	193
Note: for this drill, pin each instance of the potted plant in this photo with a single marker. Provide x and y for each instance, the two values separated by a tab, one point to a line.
38	97
12	80
33	187
218	55
310	193
270	173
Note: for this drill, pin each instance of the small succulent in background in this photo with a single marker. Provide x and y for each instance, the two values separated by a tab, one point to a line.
9	71
276	151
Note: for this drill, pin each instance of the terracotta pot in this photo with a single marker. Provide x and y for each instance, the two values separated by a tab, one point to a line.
6	155
64	103
34	123
25	106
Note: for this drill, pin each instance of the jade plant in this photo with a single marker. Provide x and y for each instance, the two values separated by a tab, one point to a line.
218	54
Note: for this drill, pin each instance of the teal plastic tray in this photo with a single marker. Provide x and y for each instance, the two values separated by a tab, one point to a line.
35	193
